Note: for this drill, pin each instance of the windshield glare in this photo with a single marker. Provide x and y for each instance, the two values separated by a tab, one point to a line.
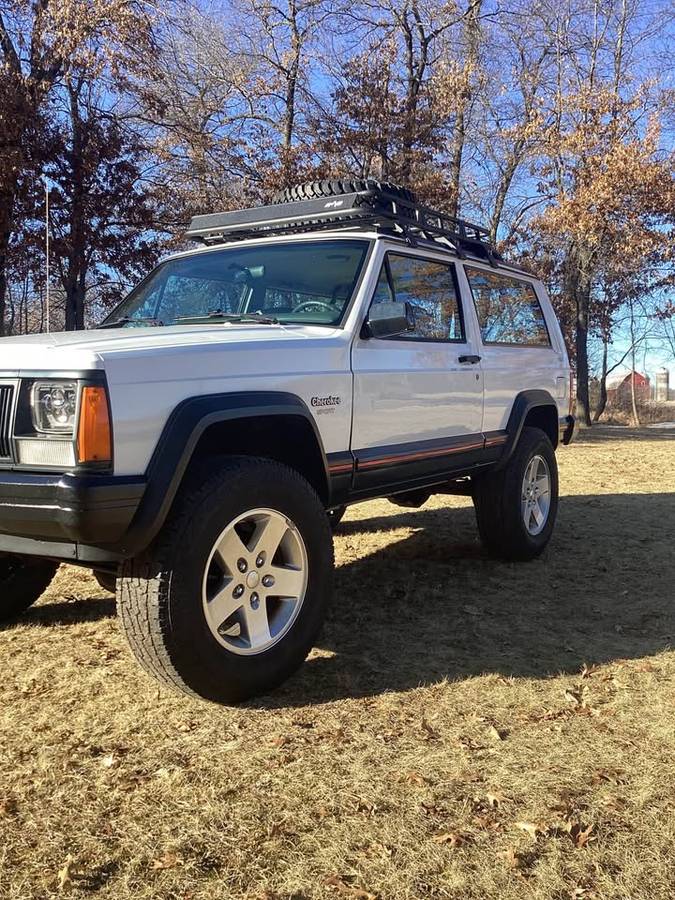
308	283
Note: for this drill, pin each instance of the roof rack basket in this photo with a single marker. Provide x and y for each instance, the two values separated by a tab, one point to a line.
373	209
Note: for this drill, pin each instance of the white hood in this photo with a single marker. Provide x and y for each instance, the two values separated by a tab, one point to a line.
84	350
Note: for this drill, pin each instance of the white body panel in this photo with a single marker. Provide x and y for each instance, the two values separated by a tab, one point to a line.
509	369
408	391
400	391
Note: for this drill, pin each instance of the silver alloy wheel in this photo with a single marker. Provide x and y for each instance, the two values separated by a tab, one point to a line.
536	495
255	581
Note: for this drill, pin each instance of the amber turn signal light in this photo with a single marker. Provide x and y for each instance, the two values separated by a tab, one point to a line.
94	443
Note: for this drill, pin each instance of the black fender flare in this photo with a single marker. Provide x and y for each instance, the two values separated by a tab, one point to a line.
177	443
524	403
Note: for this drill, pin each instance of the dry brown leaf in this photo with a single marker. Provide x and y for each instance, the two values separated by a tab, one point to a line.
451	839
378	851
579	835
433	733
497	799
168	860
646	666
588	671
64	878
8	807
487	823
610	776
530	827
338	883
497	734
364	806
513	860
413	778
576	696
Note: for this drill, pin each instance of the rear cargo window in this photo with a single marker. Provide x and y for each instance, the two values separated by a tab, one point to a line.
508	309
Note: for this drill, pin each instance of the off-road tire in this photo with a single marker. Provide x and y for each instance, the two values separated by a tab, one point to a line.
335	516
497	499
159	596
315	190
23	580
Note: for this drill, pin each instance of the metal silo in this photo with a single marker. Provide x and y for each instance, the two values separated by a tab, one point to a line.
662	385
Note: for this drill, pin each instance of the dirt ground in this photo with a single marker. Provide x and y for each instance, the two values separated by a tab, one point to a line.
465	728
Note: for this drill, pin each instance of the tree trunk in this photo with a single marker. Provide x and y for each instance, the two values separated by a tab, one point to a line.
583	399
7	224
5	233
464	99
76	263
292	74
579	290
602	399
633	397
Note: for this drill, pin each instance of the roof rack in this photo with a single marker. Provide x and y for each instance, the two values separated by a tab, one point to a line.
373	208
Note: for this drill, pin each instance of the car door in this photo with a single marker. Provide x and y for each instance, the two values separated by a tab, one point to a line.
520	349
418	397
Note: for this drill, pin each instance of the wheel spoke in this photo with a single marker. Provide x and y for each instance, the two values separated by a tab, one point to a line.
538	515
287	582
268	535
257	624
230	549
223	604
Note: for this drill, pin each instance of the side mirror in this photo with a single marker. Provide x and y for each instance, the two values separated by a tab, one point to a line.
388	320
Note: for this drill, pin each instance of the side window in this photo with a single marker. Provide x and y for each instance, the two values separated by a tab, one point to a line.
508	309
429	287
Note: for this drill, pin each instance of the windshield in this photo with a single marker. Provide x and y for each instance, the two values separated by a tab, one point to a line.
309	283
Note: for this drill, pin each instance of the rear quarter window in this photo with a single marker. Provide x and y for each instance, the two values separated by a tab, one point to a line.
508	309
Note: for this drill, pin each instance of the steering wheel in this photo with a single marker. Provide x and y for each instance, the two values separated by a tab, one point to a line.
315	304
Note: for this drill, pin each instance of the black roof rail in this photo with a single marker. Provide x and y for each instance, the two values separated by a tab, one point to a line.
373	208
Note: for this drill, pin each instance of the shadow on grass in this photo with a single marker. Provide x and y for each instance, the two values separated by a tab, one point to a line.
69	612
433	606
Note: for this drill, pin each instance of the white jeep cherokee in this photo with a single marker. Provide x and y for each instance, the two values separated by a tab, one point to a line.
340	344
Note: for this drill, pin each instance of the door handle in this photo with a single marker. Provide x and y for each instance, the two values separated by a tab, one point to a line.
469	359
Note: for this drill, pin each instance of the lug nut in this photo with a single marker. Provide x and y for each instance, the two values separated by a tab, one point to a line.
238	591
255	600
268	581
260	559
242	565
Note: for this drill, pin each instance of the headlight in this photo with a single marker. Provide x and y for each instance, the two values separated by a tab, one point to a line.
54	406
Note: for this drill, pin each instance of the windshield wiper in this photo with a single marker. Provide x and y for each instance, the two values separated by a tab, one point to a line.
217	316
128	320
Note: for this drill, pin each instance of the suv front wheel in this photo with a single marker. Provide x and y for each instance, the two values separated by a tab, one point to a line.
229	600
516	506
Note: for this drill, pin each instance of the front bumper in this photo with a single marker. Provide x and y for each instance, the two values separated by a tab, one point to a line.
63	515
567	429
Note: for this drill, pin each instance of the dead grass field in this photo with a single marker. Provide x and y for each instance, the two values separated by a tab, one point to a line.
465	729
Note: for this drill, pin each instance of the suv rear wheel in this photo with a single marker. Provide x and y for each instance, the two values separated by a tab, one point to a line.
23	580
516	506
230	598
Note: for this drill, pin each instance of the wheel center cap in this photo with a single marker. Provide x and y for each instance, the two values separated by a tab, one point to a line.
252	579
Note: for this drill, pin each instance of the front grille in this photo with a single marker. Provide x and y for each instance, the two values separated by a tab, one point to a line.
6	397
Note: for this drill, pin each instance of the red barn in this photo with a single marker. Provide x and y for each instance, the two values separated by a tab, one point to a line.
619	387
